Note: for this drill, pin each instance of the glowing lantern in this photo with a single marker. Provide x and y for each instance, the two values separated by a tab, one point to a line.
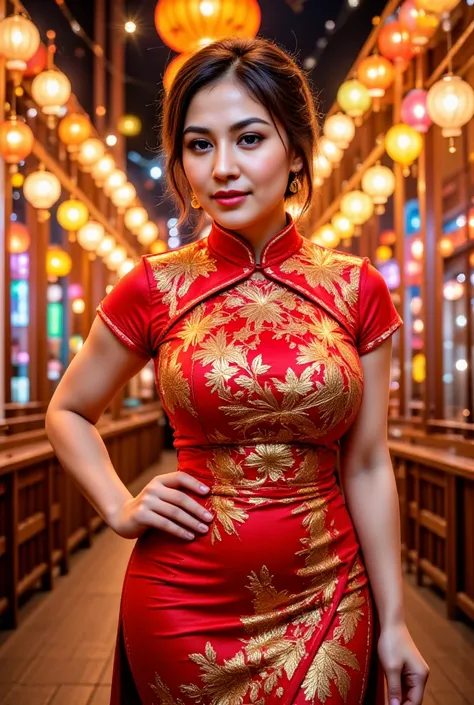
123	196
446	247
78	306
453	290
129	125
54	293
114	180
450	104
418	368
37	63
90	152
116	257
340	129
58	262
42	189
16	140
383	253
417	249
147	233
353	97
317	240
190	25
125	268
322	168
103	168
17	179
330	150
75	344
328	236
403	144
172	70
414	112
343	226
51	90
19	238
439	7
157	247
378	182
72	215
105	246
357	206
388	237
73	130
19	40
421	24
376	74
90	235
394	42
135	217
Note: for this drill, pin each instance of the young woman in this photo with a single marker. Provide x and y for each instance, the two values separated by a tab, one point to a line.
252	578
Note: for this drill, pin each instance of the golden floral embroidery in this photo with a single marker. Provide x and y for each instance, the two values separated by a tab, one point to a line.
198	325
271	461
328	665
350	614
174	386
163	693
228	475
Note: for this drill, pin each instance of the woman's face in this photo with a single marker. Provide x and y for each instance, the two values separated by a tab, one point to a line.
230	143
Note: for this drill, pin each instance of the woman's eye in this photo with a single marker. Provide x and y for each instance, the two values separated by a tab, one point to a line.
256	139
199	145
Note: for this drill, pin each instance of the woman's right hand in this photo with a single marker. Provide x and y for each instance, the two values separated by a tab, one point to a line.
161	505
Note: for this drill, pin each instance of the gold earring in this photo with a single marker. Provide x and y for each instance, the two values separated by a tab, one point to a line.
295	184
194	202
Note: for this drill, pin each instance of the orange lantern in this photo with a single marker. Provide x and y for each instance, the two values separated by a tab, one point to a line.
157	247
37	63
172	70
58	262
73	130
388	237
19	40
383	253
376	74
394	42
420	23
19	240
51	90
129	125
16	140
439	7
446	247
189	25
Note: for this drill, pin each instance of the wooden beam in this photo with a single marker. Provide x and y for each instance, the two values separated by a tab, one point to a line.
440	69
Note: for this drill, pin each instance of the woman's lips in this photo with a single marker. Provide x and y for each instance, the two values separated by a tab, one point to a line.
231	200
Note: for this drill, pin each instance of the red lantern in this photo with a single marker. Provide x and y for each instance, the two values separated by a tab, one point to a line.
388	237
37	63
420	23
376	74
414	111
394	42
16	140
19	238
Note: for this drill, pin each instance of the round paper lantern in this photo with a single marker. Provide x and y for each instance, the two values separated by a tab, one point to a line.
90	235
17	179
102	169
414	111
328	236
147	233
73	130
51	90
90	152
129	125
450	104
42	189
376	74
54	293
453	290
105	246
353	97
189	25
125	268
340	129
16	140
19	40
446	247
343	226
157	247
416	249
383	253
403	144
421	24
78	306
37	63
418	368
388	237
173	68
439	7
330	150
123	196
19	238
357	206
322	168
135	217
394	42
114	180
58	262
116	257
378	182
72	215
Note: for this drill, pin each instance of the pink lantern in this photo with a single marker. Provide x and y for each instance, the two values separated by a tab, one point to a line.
414	111
75	291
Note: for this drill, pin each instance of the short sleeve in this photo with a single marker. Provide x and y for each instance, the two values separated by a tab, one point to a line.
126	310
378	317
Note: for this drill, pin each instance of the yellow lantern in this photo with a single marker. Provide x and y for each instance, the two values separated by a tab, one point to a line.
78	306
51	90
438	7
330	150
343	226
157	247
105	246
446	247
72	215
123	196
418	368
403	144
357	206
173	68
327	236
58	262
353	97
102	169
90	235
147	233
114	180
42	189
450	104
116	257
90	152
19	41
16	140
125	268
134	218
340	129
322	168
17	179
129	125
73	130
383	253
378	182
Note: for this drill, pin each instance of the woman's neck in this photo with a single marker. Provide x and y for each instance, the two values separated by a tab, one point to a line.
262	231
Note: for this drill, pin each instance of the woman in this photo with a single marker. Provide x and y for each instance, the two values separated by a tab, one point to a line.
247	583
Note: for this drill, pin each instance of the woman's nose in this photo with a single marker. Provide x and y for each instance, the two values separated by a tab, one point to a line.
225	164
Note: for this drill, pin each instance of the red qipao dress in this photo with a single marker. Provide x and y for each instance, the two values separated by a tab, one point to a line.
258	368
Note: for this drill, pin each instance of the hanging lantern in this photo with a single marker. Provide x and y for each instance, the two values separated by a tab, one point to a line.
383	253
147	233
17	179
414	111
116	257
102	169
51	90
105	246
72	215
37	63
19	239
376	74
42	189
54	293
340	129
343	226
403	144
450	104
416	249
173	68
327	236
446	247
19	41
421	24
357	206
134	218
90	152
438	7
90	235
16	140
129	125
114	180
73	130
353	97
322	169
453	290
123	196
78	306
394	42
58	262
388	237
157	247
330	150
378	182
189	25
125	268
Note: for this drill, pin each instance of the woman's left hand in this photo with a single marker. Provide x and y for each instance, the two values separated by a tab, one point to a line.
405	669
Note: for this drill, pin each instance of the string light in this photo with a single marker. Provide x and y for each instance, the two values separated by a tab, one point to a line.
130	27
111	140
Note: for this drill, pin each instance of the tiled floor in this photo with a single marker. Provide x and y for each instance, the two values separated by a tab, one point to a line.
62	652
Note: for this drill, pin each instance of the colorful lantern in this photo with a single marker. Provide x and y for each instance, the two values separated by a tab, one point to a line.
90	152
16	140
37	63
378	182
330	150
416	249
383	253
157	247
172	70
19	238
438	7
421	24
73	130
72	215
147	233
114	181
90	235
353	97
102	169
388	237
322	169
376	74
189	25
105	246
116	257
19	41
340	129
418	368
123	196
414	112
58	262
17	179
357	206
343	226
394	42
453	290
51	90
42	189
129	125
327	236
134	218
446	247
450	104
403	145
78	306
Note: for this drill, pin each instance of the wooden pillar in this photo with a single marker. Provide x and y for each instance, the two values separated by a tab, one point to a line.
468	147
117	84
100	98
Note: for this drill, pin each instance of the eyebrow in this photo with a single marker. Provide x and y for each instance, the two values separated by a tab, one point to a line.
233	128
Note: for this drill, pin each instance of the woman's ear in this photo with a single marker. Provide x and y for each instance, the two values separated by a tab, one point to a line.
296	164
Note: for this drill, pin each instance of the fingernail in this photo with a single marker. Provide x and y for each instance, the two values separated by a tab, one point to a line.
208	515
203	488
394	701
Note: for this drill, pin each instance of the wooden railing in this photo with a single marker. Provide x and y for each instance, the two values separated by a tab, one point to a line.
43	515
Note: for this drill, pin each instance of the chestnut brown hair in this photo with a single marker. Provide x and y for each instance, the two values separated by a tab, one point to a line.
271	76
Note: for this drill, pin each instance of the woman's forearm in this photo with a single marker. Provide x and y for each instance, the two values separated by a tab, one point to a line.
82	453
372	500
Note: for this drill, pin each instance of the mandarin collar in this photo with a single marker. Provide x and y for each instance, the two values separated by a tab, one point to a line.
237	249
